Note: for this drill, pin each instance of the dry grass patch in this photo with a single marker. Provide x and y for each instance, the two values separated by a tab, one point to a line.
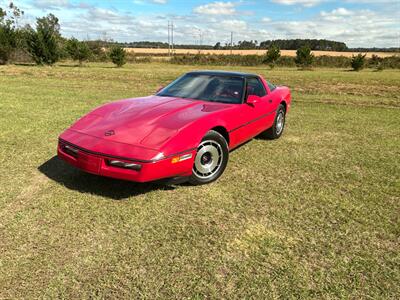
314	214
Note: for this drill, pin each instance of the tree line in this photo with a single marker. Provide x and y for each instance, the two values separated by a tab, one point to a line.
286	44
44	44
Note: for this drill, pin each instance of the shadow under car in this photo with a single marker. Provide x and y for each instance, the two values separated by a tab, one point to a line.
74	179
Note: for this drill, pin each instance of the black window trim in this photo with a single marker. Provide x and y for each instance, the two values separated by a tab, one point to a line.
269	86
259	80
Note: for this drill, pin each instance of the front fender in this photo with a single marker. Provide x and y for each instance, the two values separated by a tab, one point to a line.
190	136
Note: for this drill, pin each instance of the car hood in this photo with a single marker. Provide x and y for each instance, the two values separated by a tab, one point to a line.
148	121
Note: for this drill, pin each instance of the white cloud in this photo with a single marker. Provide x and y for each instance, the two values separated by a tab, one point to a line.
306	3
373	1
358	28
51	4
336	14
58	4
216	8
234	25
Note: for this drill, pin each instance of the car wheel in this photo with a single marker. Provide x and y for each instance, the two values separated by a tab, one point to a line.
279	124
210	160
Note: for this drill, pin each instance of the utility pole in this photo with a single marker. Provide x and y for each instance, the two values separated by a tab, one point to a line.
169	40
170	37
231	41
200	40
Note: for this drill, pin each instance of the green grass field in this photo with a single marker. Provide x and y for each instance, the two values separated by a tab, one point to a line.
315	214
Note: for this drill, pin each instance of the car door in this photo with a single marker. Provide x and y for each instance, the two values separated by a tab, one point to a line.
255	117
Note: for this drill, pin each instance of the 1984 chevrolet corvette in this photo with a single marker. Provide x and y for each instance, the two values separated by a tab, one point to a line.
184	131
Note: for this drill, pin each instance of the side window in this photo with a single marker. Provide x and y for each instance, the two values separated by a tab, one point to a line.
255	87
271	86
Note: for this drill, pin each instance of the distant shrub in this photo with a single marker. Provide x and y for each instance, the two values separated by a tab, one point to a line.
304	57
118	56
379	67
43	43
217	60
78	50
286	61
326	61
98	49
375	62
131	57
358	62
272	55
391	62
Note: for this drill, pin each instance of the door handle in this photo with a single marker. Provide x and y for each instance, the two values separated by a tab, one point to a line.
270	101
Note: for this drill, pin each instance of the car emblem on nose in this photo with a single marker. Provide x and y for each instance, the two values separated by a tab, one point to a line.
109	132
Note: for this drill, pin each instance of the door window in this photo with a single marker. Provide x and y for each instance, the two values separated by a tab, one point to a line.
255	87
271	86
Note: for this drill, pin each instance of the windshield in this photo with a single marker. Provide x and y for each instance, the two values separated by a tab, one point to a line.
216	88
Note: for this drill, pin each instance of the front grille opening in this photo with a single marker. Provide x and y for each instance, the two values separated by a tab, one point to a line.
70	150
123	165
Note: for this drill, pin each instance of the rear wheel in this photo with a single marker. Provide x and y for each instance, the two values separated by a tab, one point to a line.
279	124
211	159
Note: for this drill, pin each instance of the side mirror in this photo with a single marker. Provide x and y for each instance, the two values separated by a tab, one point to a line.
159	89
251	99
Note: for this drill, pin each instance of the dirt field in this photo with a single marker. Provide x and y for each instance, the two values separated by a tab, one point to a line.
249	52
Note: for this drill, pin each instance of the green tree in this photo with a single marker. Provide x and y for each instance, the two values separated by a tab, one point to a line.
304	57
376	62
358	62
272	55
78	50
118	56
43	43
98	49
9	32
217	46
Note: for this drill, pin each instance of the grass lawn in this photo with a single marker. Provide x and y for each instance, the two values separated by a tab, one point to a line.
315	214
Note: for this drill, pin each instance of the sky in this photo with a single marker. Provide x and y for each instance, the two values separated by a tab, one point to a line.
358	23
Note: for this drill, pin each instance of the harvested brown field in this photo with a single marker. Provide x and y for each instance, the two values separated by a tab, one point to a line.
159	51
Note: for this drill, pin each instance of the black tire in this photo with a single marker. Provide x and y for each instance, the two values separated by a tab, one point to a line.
276	130
210	160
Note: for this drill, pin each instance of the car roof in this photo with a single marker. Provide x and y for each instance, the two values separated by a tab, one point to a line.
222	73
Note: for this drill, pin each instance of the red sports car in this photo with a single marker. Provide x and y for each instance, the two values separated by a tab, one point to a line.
186	130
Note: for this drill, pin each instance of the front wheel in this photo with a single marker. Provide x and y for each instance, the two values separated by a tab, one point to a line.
211	159
279	124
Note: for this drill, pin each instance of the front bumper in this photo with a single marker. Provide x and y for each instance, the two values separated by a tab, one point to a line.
141	171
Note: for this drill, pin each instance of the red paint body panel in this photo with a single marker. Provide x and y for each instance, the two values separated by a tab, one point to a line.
152	130
97	164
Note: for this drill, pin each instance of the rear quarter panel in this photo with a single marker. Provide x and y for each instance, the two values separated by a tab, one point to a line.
196	123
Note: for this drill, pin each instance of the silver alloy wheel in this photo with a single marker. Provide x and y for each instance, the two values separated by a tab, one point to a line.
280	120
208	159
